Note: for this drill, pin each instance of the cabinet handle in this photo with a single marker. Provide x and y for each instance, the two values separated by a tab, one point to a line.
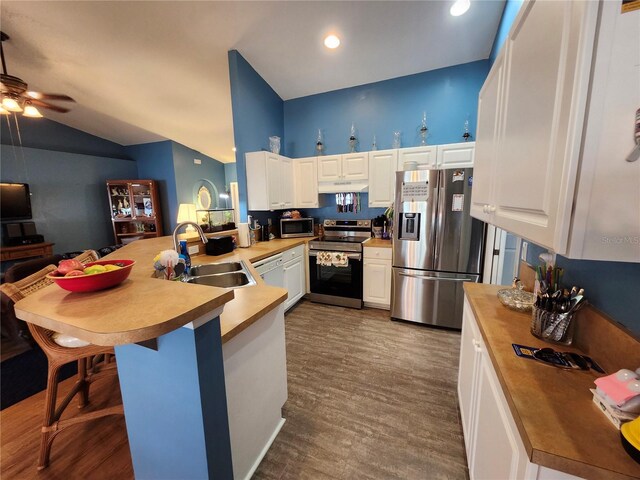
492	208
476	345
484	208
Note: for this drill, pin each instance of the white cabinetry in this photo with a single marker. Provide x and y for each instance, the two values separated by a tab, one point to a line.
349	166
382	177
425	157
269	181
492	441
294	275
305	180
455	155
376	286
534	174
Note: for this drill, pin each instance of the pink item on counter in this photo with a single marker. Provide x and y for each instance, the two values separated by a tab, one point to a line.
620	387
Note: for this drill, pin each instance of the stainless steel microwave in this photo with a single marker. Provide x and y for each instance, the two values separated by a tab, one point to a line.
296	227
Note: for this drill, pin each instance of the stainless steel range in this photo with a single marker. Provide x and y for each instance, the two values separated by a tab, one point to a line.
337	284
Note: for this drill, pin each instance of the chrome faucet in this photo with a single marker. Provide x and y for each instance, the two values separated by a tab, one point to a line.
179	226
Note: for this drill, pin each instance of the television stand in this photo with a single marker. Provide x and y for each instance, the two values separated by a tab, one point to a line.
43	249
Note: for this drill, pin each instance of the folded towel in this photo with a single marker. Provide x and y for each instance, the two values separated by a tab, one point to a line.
336	259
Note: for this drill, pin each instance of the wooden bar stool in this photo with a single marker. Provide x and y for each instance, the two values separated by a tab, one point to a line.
94	362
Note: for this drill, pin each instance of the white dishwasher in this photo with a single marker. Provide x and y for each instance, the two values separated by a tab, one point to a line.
271	270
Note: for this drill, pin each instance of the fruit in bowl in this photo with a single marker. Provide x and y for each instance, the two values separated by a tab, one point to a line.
92	276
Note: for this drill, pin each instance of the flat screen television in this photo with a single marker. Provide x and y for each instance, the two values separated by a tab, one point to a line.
15	201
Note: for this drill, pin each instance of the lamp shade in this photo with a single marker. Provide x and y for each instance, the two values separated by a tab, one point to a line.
187	213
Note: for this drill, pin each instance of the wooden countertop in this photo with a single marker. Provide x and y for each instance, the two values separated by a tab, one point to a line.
378	243
143	307
560	426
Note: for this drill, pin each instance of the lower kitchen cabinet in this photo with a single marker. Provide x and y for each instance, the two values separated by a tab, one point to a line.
376	288
294	275
493	444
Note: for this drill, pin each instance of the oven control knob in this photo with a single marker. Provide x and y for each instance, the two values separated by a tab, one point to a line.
359	223
333	222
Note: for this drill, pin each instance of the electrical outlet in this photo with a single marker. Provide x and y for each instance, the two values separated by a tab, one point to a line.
523	250
194	249
197	161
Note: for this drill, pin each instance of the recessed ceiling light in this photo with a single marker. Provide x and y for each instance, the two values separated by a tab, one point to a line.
460	7
331	41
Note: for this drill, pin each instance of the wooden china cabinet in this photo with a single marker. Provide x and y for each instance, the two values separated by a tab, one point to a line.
135	209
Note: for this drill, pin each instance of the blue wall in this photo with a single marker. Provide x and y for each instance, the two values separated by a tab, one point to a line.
257	114
611	287
511	9
190	176
230	173
155	162
449	96
49	135
68	193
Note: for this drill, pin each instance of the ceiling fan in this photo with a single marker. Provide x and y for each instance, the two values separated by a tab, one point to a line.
16	98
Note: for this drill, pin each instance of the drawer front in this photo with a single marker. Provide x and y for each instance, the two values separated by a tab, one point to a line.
379	253
294	253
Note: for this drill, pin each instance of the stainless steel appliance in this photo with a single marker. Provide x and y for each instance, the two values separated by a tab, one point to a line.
296	227
436	246
338	285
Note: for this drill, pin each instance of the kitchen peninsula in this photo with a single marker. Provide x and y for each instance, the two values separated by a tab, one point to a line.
218	351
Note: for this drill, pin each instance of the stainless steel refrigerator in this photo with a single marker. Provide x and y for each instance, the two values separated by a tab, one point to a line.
436	246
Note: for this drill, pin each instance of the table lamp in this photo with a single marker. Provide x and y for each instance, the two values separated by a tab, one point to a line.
187	213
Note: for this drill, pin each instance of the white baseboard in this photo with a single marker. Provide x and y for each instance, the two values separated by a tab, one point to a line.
381	306
265	449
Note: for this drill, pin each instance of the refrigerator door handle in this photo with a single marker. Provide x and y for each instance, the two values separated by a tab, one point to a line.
436	279
440	208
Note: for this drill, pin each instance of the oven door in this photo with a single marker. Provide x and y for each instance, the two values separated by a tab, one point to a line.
336	285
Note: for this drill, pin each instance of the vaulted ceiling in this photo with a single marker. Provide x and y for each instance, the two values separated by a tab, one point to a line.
148	71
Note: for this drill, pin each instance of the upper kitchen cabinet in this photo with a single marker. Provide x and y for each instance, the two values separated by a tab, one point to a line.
349	166
269	181
487	140
550	162
382	177
305	180
455	155
423	157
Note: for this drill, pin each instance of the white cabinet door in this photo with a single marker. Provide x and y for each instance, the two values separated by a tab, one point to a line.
544	97
294	282
355	166
382	177
274	181
456	155
376	272
470	347
423	156
487	137
329	168
287	189
305	179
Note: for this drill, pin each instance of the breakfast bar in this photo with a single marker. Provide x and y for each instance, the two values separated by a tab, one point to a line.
184	398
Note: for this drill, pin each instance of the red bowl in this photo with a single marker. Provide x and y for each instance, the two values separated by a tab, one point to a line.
96	281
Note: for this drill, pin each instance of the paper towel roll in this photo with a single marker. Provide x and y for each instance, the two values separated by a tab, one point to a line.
243	235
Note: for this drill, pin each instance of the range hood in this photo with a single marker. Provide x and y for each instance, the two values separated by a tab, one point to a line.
343	186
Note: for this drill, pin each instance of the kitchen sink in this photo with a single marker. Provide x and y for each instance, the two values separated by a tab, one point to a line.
215	268
223	275
223	280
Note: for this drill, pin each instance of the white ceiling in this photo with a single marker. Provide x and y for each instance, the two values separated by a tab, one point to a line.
147	71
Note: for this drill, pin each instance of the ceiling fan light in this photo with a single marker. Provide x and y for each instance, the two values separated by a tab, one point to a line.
11	104
32	112
460	7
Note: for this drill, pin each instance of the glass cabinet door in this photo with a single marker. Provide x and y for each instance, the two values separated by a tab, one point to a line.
143	202
120	201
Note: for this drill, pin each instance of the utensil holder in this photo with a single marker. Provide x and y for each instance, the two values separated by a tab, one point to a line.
553	327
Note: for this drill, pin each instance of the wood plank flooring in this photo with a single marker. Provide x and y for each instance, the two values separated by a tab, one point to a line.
368	399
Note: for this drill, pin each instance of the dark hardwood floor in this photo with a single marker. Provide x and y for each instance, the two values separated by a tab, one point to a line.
368	399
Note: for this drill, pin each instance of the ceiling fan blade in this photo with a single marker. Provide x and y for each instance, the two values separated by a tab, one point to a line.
55	108
50	96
